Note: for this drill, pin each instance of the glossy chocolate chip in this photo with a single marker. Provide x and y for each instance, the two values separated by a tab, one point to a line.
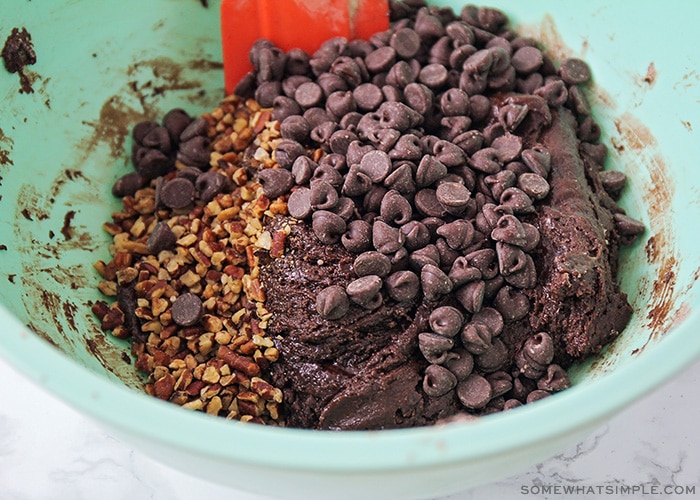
555	379
385	238
471	295
395	209
299	203
175	121
128	184
376	165
210	184
405	42
286	152
402	286
438	381
574	71
435	348
296	128
533	185
434	282
358	237
276	181
458	234
416	235
372	263
332	302
538	160
462	272
474	392
494	358
177	193
162	238
407	147
511	303
152	163
527	59
303	169
446	321
364	290
328	227
323	195
187	309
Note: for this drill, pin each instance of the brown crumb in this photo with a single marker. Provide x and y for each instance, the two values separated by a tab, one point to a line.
17	53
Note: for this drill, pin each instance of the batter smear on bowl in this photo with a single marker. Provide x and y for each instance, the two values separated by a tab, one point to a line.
385	233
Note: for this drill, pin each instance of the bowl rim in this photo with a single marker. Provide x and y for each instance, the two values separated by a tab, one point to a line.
349	451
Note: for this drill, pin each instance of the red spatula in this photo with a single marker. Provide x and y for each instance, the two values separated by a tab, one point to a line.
289	24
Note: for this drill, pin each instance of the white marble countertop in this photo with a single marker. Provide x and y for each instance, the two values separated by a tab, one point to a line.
48	451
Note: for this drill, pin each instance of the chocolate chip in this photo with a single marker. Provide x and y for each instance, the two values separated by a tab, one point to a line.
430	169
386	239
210	184
446	321
501	382
197	127
613	181
380	59
517	200
433	75
554	380
323	196
554	91
402	286
162	238
416	235
303	169
364	290
175	121
458	234
296	128
332	302
511	303
536	395
435	348
460	362
405	42
372	263
158	138
395	209
187	309
299	203
276	181
438	381
128	184
462	272
471	295
574	71
494	358
485	260
509	230
510	404
376	165
453	196
142	129
358	237
419	97
527	59
328	227
368	96
434	282
474	392
407	147
476	337
486	160
177	193
152	163
356	183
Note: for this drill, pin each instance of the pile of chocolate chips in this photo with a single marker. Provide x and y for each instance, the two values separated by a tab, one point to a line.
425	175
155	150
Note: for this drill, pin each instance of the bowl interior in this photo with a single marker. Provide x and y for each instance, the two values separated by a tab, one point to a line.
63	145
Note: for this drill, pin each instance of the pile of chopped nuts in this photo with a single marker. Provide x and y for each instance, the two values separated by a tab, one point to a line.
217	362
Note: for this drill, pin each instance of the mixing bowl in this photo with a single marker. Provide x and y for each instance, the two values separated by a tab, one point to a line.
103	66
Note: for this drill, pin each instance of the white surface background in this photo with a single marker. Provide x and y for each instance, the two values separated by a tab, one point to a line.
48	451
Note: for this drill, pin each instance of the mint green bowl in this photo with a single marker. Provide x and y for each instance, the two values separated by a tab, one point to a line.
103	66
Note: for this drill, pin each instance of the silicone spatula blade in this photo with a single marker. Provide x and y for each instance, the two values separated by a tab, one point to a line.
303	24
